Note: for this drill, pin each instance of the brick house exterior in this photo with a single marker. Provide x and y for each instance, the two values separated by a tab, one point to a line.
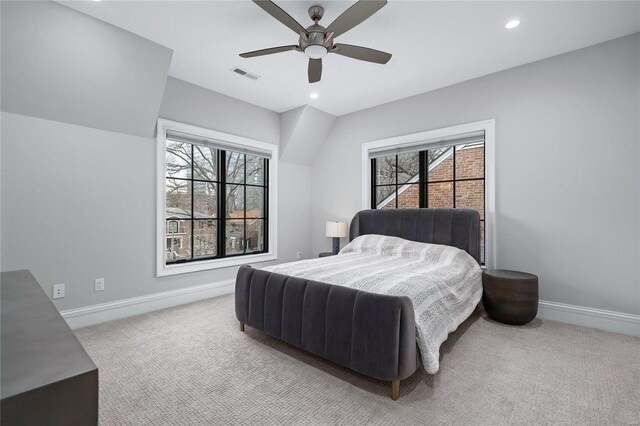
469	164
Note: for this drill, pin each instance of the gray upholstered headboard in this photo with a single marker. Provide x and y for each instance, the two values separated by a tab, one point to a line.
453	227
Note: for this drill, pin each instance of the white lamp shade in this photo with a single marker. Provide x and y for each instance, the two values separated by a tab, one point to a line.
337	229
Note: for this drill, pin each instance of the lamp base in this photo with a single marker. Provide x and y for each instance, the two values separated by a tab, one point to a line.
336	245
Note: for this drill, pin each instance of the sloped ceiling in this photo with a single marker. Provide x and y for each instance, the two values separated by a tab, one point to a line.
303	130
60	64
434	44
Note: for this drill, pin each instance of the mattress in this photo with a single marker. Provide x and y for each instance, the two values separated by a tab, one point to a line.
444	283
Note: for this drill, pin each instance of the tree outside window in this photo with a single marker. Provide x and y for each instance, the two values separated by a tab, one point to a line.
217	200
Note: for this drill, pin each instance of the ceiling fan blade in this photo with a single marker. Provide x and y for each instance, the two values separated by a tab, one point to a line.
355	15
315	70
362	53
269	51
272	9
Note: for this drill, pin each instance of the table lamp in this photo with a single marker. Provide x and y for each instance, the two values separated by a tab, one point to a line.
336	230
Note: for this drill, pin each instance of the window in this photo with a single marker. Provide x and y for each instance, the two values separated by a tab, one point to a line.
246	200
215	199
446	168
445	177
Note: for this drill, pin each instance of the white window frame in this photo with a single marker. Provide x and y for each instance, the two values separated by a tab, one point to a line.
488	126
162	269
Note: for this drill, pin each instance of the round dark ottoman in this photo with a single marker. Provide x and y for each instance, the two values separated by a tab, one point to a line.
510	297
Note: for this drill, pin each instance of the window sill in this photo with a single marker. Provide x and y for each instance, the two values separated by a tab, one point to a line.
207	265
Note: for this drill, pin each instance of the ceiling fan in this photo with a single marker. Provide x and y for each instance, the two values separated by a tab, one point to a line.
316	41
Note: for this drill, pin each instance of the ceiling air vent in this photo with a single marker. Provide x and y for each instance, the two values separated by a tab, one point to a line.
245	73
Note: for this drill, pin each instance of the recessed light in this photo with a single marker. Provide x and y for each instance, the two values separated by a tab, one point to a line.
512	24
314	95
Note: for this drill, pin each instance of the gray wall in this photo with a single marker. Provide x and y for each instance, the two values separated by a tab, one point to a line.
567	161
79	203
191	104
303	131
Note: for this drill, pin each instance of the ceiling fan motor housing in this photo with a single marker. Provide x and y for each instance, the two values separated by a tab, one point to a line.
317	42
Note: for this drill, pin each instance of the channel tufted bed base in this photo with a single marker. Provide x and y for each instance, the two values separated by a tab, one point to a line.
374	334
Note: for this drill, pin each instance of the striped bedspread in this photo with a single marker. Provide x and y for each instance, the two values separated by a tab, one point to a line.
444	283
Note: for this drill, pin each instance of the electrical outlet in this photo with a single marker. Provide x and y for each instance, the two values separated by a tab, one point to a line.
299	255
58	291
99	284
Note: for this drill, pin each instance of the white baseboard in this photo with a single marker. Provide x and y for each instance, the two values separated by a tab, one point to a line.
617	322
95	314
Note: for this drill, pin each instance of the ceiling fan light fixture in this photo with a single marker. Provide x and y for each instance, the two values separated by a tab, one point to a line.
315	51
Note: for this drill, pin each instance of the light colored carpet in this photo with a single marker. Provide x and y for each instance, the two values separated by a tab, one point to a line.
190	365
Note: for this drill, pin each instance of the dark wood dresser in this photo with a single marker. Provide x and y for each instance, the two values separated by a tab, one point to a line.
47	377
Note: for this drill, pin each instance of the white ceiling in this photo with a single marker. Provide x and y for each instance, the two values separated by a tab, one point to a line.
434	44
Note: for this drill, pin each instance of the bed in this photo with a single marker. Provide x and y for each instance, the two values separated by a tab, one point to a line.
348	308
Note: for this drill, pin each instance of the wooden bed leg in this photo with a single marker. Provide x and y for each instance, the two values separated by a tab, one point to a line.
241	326
395	389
